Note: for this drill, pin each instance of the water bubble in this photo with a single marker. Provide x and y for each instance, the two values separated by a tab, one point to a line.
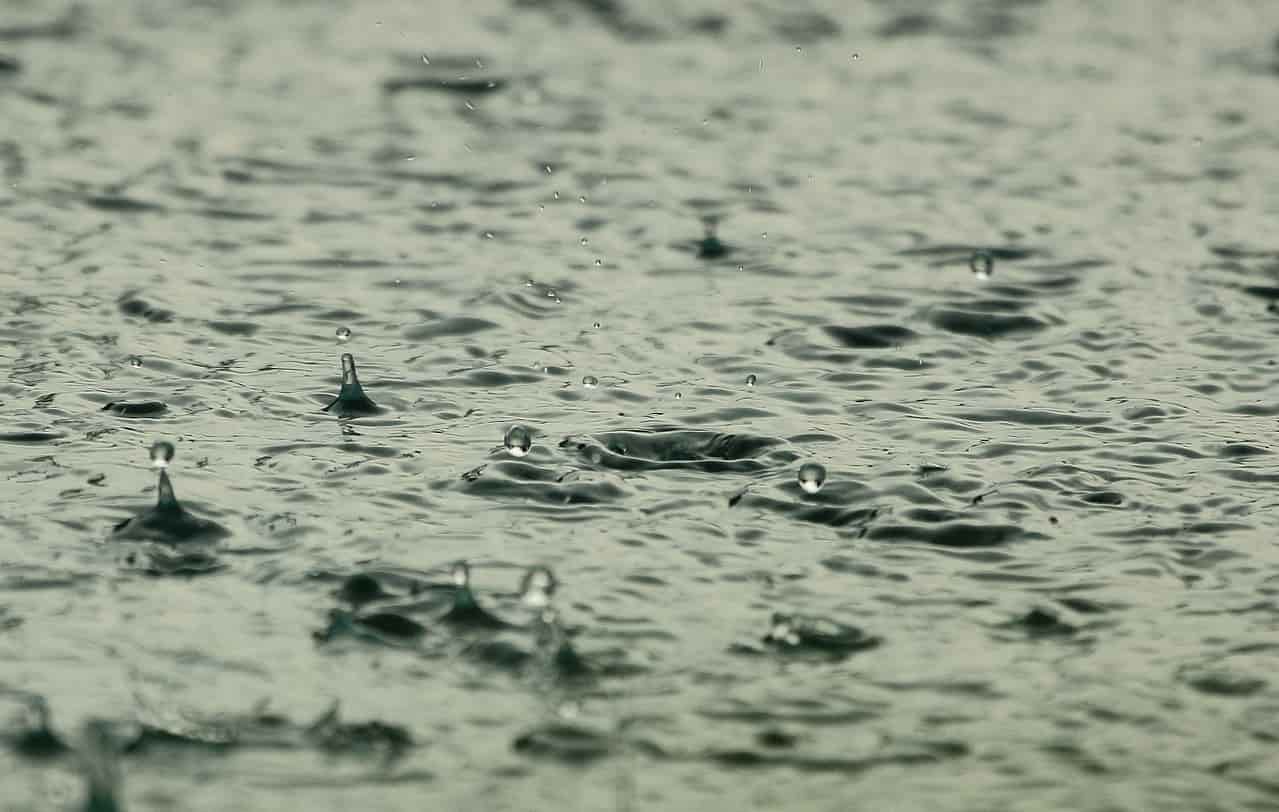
161	453
537	587
982	264
590	382
518	441
344	334
750	380
811	477
135	361
461	575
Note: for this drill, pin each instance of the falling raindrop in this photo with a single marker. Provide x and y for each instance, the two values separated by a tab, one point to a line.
537	587
598	262
597	325
811	477
161	454
584	241
460	575
679	395
518	441
344	334
135	361
750	381
425	60
590	382
982	264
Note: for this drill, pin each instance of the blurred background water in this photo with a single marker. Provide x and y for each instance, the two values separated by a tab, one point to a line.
1007	270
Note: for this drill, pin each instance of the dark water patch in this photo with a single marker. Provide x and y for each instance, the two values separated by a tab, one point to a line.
9	65
565	743
1107	498
168	522
1029	417
29	437
234	328
519	482
879	336
1040	623
806	637
69	25
462	85
120	204
611	15
450	327
130	305
959	535
1242	450
982	324
673	448
138	409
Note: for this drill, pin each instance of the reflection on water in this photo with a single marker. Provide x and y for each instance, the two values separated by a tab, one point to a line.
885	396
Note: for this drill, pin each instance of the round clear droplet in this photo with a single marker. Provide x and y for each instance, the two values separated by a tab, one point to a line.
461	575
518	441
750	380
811	477
344	334
597	325
537	587
982	264
161	454
679	395
135	361
590	382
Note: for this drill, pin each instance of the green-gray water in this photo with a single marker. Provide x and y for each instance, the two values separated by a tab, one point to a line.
1040	573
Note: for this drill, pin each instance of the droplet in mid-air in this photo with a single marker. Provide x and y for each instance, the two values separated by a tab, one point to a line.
982	264
161	454
750	381
597	325
537	587
518	441
811	477
344	334
135	361
679	395
590	382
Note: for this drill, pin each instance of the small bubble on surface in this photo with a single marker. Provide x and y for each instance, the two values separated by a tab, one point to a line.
518	441
590	382
811	477
343	334
161	453
135	361
750	381
982	264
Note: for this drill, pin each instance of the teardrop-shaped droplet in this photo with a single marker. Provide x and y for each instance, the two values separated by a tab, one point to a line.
750	381
811	477
518	441
590	382
343	334
982	264
537	587
461	575
161	453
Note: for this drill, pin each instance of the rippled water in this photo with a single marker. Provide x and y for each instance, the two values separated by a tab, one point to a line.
690	247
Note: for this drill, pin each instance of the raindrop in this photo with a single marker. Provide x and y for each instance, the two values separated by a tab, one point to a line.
597	325
537	587
556	195
425	60
135	361
811	477
750	381
590	382
461	575
856	56
161	454
518	441
764	234
982	264
598	262
679	395
548	171
584	241
581	198
344	334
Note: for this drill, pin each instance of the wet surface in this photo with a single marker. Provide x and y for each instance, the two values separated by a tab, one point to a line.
1006	271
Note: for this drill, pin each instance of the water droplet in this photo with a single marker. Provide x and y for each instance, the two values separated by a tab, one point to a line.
584	241
811	477
598	262
469	106
799	50
555	195
461	575
764	234
518	441
537	587
982	264
679	395
784	630
425	59
750	380
581	198
344	334
856	56
135	361
548	171
161	454
741	267
590	382
597	325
